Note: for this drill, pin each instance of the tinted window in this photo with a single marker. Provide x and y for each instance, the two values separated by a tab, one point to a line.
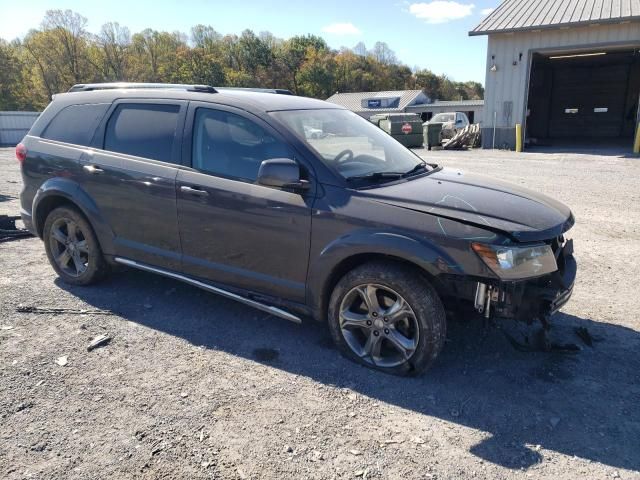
76	123
229	145
143	130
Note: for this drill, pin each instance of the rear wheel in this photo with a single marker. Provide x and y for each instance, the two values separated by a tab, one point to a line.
386	316
72	247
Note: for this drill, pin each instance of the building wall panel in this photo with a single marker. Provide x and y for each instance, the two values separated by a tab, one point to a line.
14	126
507	87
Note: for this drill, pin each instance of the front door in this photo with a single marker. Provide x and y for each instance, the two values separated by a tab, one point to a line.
130	174
234	231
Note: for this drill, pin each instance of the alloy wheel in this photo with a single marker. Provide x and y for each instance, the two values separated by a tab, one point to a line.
69	247
379	325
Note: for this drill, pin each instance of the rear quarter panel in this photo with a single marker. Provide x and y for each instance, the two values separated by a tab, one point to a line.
46	159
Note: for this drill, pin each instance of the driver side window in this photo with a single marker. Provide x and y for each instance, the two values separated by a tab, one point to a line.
229	145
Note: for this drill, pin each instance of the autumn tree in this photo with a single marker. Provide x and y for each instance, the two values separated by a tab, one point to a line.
12	78
114	42
60	53
155	54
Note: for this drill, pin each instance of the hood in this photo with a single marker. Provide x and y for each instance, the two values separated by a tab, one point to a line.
480	201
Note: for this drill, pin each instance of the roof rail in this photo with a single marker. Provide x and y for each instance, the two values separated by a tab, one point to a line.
281	91
87	87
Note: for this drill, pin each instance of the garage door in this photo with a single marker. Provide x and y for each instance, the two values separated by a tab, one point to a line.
588	101
593	95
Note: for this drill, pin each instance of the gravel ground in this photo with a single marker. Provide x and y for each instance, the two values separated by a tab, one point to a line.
195	386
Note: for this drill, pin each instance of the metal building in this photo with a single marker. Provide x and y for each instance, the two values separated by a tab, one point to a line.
14	126
367	104
568	71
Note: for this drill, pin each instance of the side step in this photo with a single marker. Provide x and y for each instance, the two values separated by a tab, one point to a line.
210	288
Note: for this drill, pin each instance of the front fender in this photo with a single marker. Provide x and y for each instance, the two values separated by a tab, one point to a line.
57	188
429	257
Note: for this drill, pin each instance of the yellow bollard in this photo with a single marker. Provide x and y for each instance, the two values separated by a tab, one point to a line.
518	137
636	145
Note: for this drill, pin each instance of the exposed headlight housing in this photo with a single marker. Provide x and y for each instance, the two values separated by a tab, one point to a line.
517	263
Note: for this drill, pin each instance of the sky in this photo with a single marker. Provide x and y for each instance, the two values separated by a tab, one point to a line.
425	34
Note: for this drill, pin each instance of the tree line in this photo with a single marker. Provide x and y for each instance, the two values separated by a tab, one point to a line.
62	53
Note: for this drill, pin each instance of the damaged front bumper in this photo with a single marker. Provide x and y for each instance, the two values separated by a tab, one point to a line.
531	300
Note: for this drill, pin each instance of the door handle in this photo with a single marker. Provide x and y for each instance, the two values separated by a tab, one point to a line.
194	191
93	169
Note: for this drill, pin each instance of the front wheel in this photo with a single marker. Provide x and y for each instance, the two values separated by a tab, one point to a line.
72	247
388	317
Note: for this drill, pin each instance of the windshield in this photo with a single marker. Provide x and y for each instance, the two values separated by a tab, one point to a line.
350	144
444	117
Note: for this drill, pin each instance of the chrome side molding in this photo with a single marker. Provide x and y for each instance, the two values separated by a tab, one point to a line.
210	288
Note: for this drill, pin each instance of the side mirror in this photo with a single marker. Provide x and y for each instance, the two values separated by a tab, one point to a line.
281	173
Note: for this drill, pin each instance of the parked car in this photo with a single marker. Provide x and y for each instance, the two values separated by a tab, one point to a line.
236	192
442	127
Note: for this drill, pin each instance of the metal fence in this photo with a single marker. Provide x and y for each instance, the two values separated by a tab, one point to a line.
14	126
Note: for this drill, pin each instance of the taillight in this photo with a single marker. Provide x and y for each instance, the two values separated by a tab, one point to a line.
21	153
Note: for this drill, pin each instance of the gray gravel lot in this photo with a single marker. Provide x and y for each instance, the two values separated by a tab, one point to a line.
195	386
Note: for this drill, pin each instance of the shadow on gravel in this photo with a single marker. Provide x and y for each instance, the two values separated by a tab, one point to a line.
584	404
6	198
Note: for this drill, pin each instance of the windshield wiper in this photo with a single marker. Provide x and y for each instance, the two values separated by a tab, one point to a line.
374	176
377	176
418	168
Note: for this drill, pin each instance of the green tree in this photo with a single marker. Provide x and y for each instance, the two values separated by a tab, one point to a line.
317	73
195	65
252	53
294	51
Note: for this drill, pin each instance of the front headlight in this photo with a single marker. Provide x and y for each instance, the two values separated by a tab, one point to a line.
517	263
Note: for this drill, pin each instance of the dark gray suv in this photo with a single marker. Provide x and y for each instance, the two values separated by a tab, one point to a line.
293	206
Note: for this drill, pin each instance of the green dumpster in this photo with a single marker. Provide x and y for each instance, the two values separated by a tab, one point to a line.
432	134
404	127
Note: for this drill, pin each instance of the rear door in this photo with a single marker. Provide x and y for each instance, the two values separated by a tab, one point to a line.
234	231
131	172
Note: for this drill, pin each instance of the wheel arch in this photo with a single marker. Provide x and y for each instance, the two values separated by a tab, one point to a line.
59	192
345	255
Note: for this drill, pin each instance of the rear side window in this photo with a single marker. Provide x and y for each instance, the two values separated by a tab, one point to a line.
76	123
143	130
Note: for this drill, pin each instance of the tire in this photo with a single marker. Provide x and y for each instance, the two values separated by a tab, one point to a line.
406	345
76	258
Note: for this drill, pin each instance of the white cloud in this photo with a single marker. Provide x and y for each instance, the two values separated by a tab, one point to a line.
342	29
486	11
441	11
